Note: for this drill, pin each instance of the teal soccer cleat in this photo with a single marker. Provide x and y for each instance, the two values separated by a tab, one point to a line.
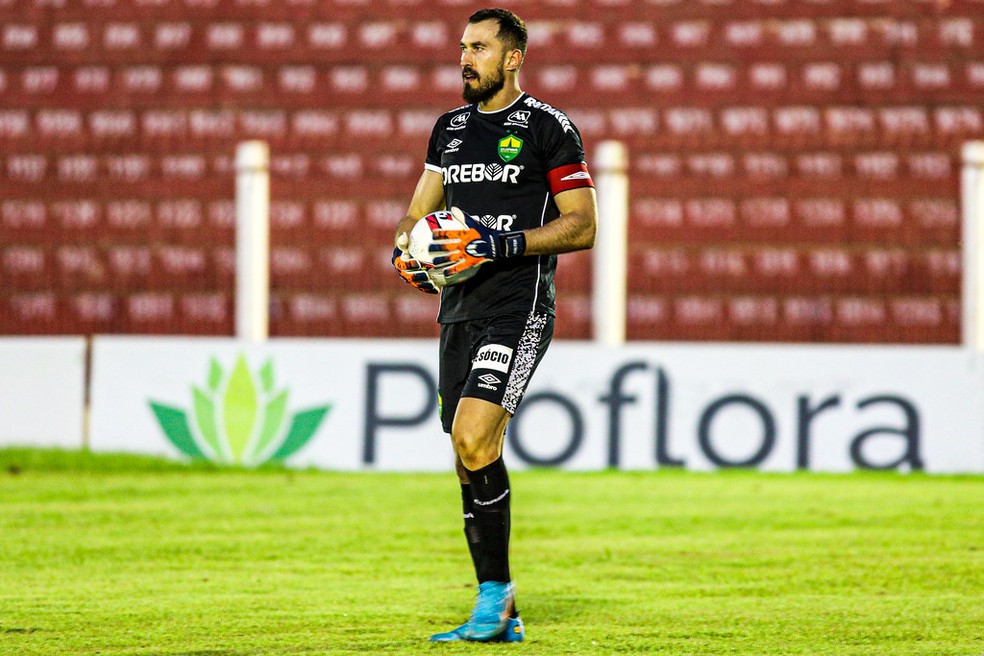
490	621
515	631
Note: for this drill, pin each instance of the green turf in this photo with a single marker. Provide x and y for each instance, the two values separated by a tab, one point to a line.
114	555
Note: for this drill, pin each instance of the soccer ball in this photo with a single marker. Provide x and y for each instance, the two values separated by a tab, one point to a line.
422	236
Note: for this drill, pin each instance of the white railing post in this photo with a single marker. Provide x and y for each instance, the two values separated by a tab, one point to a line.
972	208
252	241
611	246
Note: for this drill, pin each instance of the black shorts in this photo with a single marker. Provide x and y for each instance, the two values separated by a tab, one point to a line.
491	359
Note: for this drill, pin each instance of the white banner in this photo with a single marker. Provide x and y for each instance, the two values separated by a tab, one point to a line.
345	404
372	404
42	391
774	408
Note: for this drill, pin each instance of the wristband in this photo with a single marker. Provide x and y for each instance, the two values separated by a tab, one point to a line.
511	244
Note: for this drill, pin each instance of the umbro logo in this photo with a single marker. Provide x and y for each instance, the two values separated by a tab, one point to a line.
580	175
489	382
454	143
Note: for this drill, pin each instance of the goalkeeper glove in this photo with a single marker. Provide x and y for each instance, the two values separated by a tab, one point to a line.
411	270
477	244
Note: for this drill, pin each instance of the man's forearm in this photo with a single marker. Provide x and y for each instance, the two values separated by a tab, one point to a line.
567	233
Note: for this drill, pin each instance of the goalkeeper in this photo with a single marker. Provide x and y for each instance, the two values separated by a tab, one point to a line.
514	169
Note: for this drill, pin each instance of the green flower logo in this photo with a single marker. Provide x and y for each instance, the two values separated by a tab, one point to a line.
239	418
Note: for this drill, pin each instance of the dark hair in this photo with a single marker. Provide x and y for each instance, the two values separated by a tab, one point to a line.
512	29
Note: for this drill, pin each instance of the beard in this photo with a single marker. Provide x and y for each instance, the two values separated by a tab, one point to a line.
486	88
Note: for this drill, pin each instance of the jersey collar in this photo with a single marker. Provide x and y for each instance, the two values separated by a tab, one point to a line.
519	99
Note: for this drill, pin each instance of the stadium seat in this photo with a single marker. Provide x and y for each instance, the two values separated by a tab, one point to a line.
794	166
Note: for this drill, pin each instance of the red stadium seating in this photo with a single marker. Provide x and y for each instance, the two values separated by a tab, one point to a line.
794	164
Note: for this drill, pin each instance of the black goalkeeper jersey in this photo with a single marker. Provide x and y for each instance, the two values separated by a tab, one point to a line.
505	167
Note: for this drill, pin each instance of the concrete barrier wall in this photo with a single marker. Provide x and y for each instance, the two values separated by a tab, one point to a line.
42	391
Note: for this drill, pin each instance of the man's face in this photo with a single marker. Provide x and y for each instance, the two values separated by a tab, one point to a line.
483	60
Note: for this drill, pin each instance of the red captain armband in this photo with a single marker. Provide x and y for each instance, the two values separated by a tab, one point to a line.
571	176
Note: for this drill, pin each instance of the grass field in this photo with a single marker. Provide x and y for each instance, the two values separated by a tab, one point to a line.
124	555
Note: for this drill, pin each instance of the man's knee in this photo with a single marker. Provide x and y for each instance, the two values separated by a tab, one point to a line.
475	449
477	432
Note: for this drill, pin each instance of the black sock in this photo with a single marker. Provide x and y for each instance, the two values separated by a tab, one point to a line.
471	528
490	492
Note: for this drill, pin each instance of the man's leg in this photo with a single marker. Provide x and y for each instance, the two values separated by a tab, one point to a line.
477	434
456	348
468	514
480	393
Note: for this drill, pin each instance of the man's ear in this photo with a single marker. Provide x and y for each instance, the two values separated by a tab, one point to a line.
514	60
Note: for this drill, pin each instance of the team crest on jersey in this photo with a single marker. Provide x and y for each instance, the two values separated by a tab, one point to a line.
509	147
